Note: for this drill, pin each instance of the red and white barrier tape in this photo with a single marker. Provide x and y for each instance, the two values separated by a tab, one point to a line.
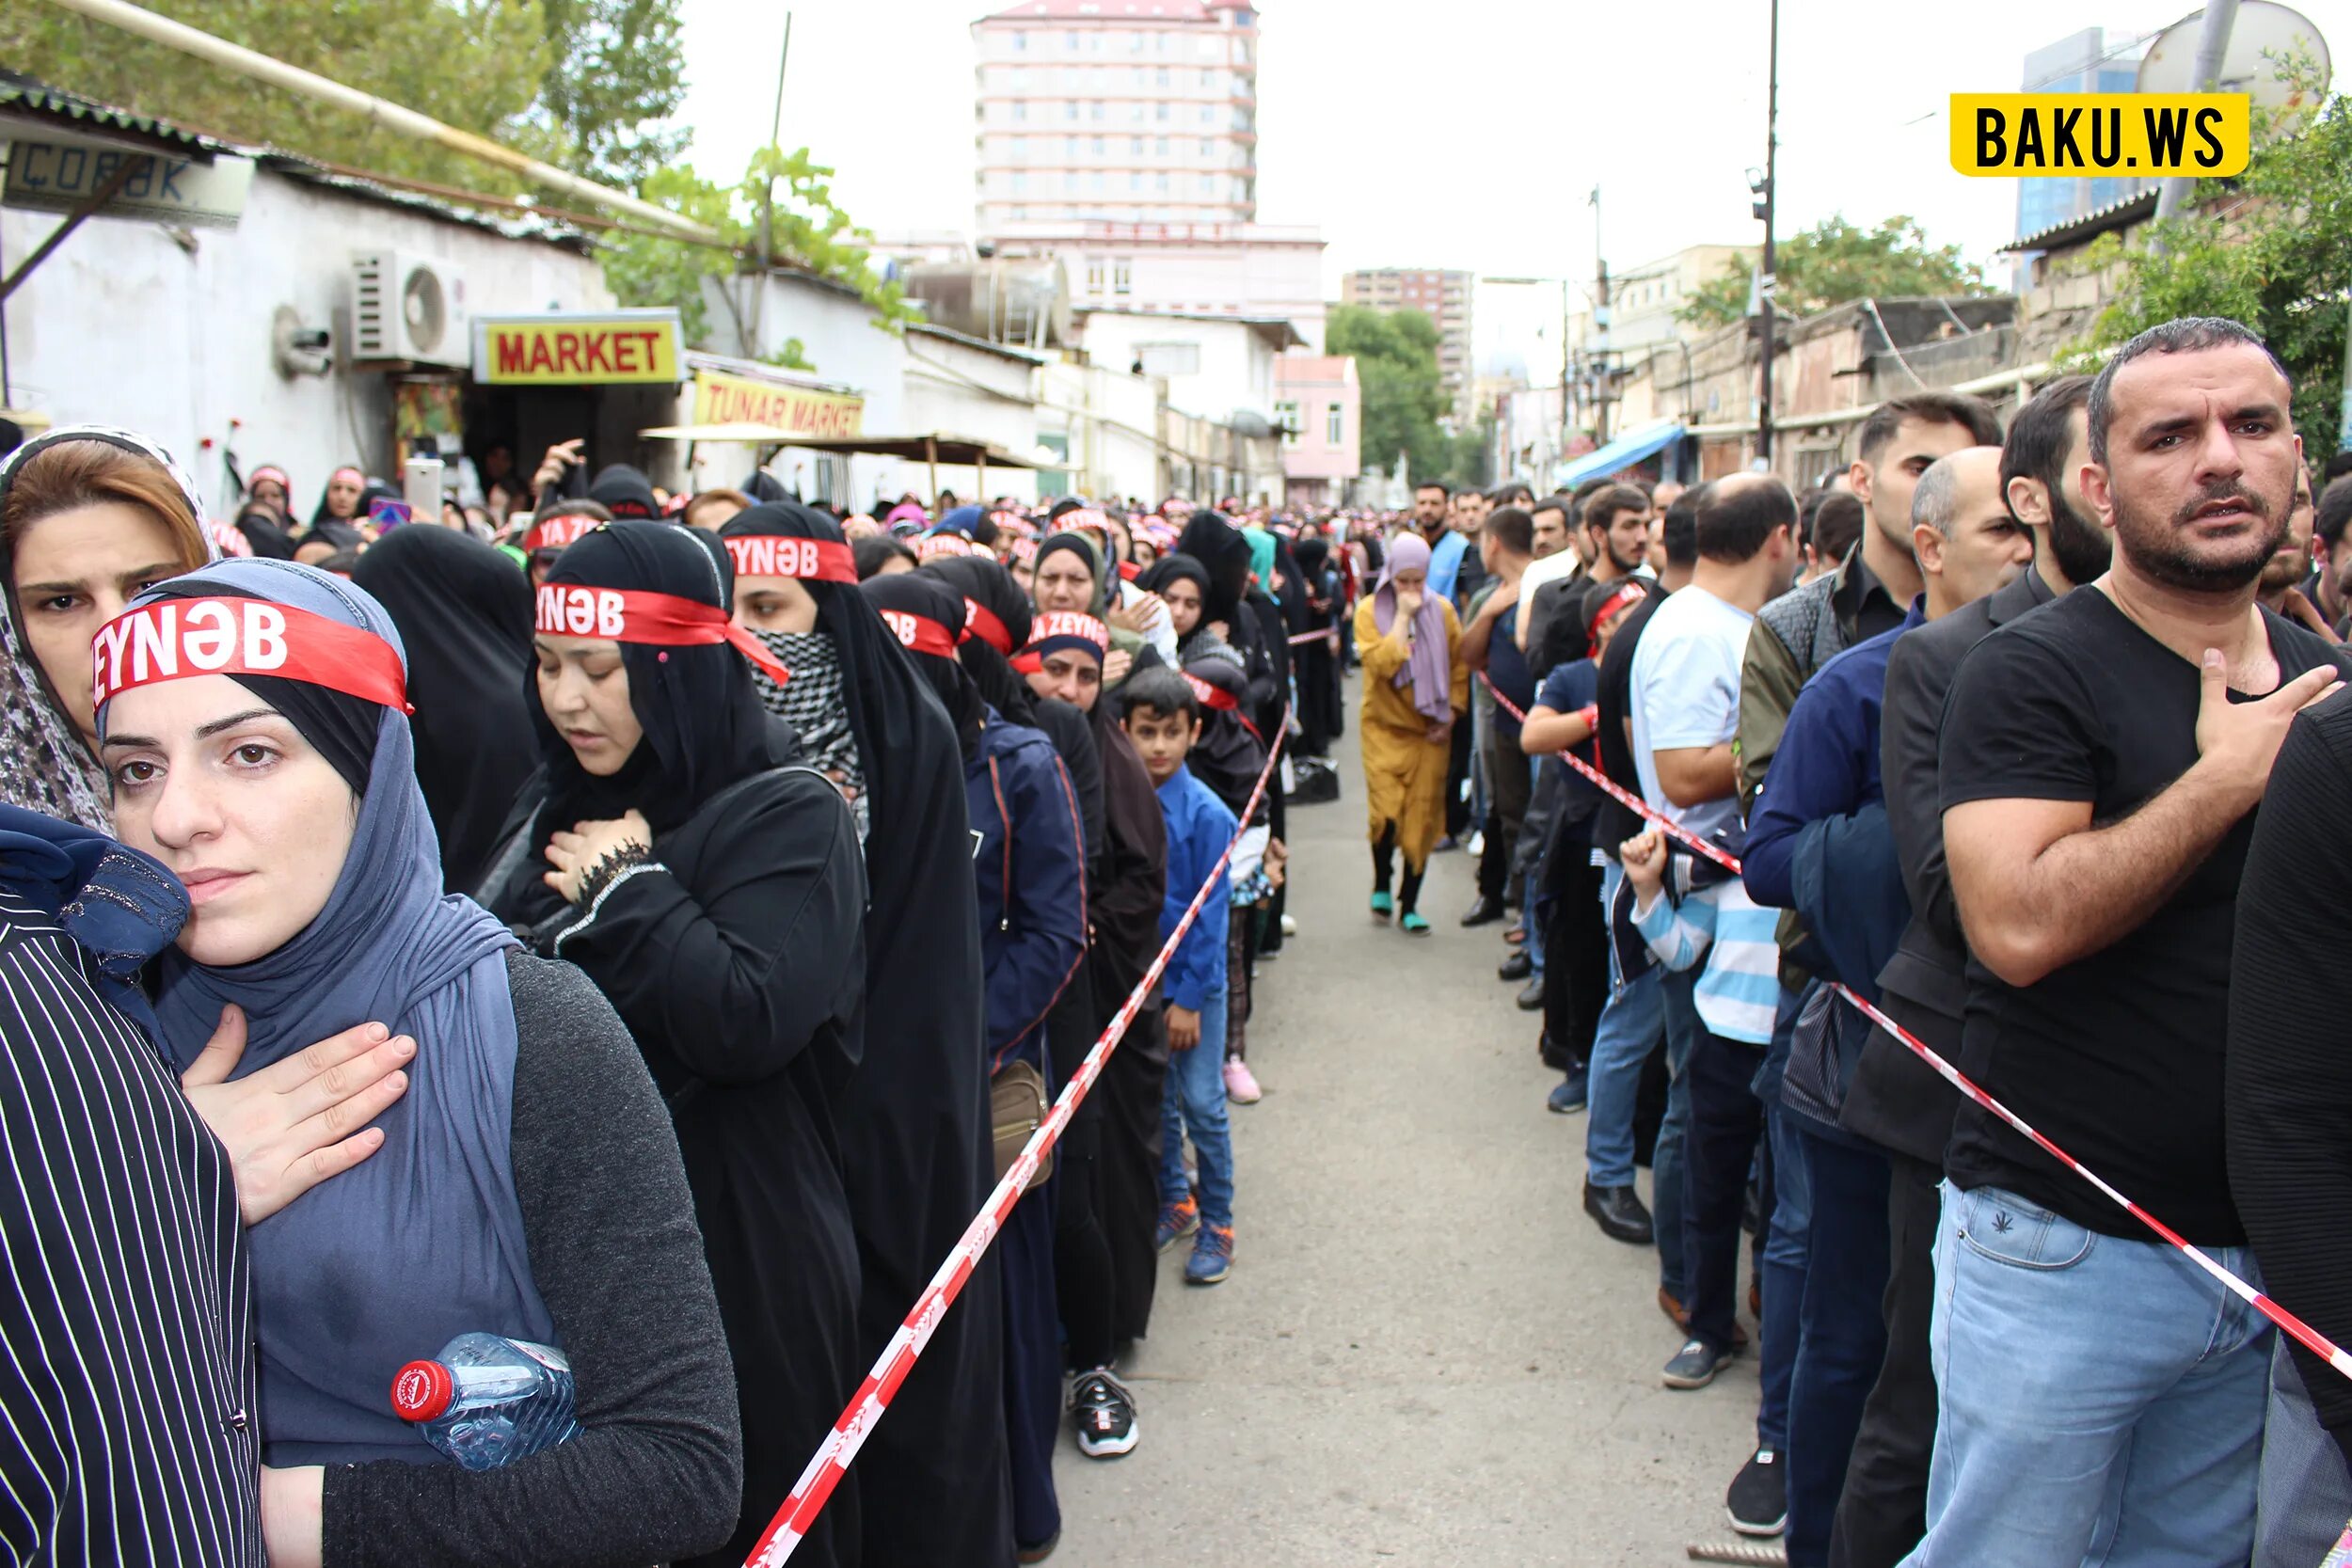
1307	637
2309	1337
832	1459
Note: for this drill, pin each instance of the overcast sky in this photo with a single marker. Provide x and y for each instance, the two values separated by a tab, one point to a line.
1463	133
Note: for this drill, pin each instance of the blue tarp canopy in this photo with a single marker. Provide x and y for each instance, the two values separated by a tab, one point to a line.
1623	453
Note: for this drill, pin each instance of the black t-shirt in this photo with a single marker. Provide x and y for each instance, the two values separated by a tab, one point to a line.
1616	822
1508	672
2117	1057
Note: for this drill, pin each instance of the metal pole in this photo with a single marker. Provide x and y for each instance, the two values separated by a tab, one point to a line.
393	116
2213	45
768	199
2344	410
1768	284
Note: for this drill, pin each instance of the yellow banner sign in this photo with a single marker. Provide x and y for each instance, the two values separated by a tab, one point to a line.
2016	134
576	351
724	399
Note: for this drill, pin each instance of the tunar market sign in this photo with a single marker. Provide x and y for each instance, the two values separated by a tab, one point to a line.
724	399
569	350
49	176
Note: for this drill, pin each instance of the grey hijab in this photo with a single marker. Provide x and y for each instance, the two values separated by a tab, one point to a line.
44	767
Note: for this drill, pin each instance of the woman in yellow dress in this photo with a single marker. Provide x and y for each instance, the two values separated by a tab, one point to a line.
1415	688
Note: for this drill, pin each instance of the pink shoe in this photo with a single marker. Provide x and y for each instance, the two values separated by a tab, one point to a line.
1240	1087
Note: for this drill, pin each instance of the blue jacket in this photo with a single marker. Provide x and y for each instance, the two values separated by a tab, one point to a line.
1445	562
1827	764
1199	826
1029	861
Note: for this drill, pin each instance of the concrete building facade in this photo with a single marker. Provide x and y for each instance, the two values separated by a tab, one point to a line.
1444	297
1319	407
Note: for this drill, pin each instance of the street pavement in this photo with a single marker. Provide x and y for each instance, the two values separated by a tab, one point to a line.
1425	1351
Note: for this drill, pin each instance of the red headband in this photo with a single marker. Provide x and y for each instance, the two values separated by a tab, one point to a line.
174	639
556	532
658	620
267	471
935	546
783	555
1024	551
1632	592
919	632
981	622
1215	696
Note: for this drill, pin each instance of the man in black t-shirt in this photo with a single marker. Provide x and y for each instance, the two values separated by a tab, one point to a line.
1633	1020
2102	759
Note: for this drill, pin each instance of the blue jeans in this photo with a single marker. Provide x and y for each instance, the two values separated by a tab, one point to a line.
1787	1235
1842	1334
1629	1022
1194	1102
1676	994
2101	1399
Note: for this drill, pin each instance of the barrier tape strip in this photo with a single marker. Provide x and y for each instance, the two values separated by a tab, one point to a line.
2309	1337
1304	638
841	1445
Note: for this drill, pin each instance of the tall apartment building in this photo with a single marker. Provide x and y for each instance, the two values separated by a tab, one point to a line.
1444	297
1118	111
2094	60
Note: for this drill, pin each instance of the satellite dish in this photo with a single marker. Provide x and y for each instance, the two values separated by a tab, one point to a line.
423	308
2263	34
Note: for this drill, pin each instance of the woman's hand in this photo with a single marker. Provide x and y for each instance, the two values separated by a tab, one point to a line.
1644	856
1439	732
1278	855
575	853
1148	611
297	1122
292	1513
1115	666
1224	633
1407	605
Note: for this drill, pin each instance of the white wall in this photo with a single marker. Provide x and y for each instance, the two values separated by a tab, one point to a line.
1111	421
125	326
1236	361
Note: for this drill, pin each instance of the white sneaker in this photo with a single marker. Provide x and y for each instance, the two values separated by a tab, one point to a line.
1290	926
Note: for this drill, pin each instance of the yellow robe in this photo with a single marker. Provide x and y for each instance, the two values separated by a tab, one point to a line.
1404	772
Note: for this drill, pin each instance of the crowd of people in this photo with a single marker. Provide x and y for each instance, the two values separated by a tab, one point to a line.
1978	731
647	926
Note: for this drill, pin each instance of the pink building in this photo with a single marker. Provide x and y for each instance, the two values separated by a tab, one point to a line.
1320	406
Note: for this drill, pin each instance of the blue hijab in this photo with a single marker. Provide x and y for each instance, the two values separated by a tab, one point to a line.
424	1240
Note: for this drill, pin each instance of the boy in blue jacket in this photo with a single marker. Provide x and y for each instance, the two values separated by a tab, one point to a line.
1163	719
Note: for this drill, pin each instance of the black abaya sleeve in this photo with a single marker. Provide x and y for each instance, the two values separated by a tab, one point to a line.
736	981
1074	742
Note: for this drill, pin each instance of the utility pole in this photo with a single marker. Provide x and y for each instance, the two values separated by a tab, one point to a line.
759	346
1600	329
1765	283
2212	46
2344	409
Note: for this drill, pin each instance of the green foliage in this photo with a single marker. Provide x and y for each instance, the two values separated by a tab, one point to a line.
1832	263
2272	249
616	70
475	64
806	228
1396	367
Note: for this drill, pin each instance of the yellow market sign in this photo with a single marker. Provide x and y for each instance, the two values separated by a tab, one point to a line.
2014	135
724	399
584	350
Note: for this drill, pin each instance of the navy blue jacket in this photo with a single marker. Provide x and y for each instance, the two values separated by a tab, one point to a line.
1199	826
1028	861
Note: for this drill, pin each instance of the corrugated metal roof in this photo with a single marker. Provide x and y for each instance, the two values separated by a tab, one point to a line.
22	94
2119	214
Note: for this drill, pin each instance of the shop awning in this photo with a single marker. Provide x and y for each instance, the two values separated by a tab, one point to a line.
1621	453
748	435
963	452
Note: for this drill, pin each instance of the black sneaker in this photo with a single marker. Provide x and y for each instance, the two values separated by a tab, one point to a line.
1758	1499
1104	1413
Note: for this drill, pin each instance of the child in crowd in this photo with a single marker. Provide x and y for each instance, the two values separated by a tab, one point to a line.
1163	719
1677	928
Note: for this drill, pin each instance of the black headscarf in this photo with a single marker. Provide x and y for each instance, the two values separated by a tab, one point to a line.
624	492
464	613
984	581
763	486
705	727
1224	554
925	595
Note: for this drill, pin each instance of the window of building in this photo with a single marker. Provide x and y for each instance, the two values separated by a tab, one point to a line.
1208	113
1098	183
1094	275
1169	358
1159	77
1019	215
1070	110
1208	148
1098	108
1123	275
1208	80
1162	148
1020	43
1019	147
1098	146
1208	184
1070	183
1162	185
1134	184
1070	43
1020	183
1335	426
1020	109
1163	111
1135	147
1286	414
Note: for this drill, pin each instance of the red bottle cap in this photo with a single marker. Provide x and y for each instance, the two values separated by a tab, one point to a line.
422	1391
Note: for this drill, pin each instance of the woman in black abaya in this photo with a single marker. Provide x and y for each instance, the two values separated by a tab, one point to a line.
1315	664
676	851
915	1123
464	613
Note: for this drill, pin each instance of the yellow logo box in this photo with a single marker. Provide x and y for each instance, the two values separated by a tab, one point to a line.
2021	134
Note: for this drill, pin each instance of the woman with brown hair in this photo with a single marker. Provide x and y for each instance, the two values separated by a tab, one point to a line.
90	517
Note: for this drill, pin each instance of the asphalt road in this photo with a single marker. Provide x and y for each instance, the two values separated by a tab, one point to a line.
1425	1351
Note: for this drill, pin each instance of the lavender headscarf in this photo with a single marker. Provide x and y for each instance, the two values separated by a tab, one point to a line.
1431	669
424	1240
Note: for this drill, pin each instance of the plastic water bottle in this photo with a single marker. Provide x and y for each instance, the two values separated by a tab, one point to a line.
486	1400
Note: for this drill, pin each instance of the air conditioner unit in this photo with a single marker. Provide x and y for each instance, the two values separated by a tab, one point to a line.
410	307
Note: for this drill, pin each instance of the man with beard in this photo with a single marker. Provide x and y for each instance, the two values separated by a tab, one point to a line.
1612	543
2331	550
2281	592
1895	1101
2101	762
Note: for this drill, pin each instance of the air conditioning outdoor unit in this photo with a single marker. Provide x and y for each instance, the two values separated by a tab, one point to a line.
410	307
